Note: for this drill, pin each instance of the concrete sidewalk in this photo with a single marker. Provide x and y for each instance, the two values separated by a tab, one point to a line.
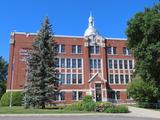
141	112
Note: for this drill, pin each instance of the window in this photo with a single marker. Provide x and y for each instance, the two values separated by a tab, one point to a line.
57	62
60	48
91	63
62	95
79	49
92	49
79	78
95	63
116	79
109	50
68	78
59	96
118	94
68	63
73	63
62	62
79	95
97	49
99	63
125	64
62	78
74	81
56	97
127	78
111	78
115	64
110	63
129	52
114	50
57	48
120	64
79	63
122	79
124	50
130	64
74	49
74	95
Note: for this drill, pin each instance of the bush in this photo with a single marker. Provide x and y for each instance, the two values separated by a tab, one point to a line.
16	99
117	109
77	106
143	91
87	104
101	106
87	99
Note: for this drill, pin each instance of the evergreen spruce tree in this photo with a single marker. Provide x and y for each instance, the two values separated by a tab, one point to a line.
3	75
42	81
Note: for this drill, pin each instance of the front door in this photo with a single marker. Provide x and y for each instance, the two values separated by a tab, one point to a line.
98	92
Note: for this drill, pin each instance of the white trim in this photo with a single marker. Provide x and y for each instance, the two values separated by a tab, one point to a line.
14	90
95	76
121	90
116	38
68	36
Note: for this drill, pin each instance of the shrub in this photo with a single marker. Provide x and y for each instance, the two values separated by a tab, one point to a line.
101	106
77	106
87	99
143	91
16	99
89	106
117	109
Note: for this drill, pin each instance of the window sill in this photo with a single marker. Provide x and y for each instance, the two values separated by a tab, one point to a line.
76	53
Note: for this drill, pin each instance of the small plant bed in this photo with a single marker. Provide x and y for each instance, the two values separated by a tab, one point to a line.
87	104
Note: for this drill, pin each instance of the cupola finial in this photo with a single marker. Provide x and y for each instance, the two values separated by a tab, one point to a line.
91	20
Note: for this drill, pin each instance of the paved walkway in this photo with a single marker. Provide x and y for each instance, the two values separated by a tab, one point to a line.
141	112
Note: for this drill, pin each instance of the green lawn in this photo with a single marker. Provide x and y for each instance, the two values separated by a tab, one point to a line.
21	110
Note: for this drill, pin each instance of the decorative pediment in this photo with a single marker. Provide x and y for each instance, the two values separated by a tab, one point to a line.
97	76
93	40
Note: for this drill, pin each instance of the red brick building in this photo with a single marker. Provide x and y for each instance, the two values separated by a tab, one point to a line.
88	65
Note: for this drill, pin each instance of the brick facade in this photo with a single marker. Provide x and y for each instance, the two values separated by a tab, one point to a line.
102	69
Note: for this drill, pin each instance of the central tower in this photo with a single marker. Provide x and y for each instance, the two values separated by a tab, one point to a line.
91	35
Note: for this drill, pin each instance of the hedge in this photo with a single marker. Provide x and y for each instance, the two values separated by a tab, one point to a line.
16	98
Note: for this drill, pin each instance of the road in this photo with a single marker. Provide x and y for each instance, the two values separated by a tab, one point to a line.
85	117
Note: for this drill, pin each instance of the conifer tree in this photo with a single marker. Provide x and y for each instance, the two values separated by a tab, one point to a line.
42	81
3	75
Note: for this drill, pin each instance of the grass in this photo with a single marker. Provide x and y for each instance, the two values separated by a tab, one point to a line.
21	110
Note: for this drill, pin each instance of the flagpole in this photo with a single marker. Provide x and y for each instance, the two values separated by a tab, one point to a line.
11	88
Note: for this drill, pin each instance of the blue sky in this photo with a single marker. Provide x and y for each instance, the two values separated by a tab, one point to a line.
68	17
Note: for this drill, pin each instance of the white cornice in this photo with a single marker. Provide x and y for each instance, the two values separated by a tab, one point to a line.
68	36
116	38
